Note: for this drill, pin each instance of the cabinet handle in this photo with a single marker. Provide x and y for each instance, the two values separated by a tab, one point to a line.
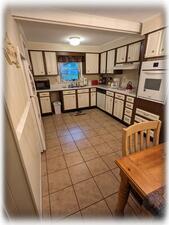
162	49
152	51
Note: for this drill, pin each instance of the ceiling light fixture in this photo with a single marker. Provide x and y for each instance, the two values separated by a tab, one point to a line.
74	41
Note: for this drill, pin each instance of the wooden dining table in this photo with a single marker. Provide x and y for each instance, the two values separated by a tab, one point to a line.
144	171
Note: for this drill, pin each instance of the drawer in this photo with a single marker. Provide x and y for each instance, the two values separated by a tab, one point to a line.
139	119
130	99
122	97
44	94
146	114
83	91
127	119
129	105
128	112
110	93
69	92
92	89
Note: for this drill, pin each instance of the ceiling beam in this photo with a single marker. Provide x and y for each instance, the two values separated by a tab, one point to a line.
77	19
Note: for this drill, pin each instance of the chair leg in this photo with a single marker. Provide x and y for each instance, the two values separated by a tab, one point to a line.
122	195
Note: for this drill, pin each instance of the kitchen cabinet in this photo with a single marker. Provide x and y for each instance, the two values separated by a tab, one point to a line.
45	102
133	52
103	62
109	104
128	111
101	100
69	100
51	63
121	54
163	48
110	61
156	44
83	98
92	63
118	108
93	97
37	63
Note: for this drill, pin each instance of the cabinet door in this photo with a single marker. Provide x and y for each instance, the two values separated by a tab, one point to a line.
51	63
45	105
92	63
101	100
121	54
118	108
69	102
153	44
103	62
110	61
37	63
93	99
83	100
109	104
134	52
163	49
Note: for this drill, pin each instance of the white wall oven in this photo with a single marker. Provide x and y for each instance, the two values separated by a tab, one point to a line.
153	82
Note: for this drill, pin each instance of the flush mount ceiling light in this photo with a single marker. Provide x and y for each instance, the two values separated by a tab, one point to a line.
74	41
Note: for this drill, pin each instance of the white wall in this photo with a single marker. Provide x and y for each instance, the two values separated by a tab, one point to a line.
22	120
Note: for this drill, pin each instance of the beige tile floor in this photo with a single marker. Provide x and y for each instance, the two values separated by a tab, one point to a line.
79	176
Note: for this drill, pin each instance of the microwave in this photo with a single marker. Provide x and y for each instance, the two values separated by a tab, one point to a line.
42	84
153	82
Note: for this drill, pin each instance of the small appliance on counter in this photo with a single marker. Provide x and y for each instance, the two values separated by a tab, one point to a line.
102	80
85	81
116	83
42	84
129	86
94	82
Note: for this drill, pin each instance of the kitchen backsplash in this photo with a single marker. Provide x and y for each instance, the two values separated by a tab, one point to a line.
55	80
128	75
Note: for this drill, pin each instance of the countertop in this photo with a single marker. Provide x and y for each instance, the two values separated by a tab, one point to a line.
104	87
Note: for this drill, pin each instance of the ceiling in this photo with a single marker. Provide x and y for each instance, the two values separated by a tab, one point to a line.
55	33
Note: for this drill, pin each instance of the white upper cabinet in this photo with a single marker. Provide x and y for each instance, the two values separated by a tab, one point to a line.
156	44
163	49
37	63
92	63
121	54
110	61
51	63
103	62
134	52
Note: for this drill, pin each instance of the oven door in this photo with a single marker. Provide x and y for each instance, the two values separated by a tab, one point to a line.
152	85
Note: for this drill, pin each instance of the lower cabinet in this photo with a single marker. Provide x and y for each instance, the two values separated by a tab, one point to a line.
69	101
45	102
101	100
93	99
118	108
83	100
109	104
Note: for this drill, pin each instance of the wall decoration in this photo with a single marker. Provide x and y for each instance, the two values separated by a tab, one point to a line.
10	52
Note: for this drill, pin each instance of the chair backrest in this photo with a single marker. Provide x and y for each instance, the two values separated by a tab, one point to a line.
137	136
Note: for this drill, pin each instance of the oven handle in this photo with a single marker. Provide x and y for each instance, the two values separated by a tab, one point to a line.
155	72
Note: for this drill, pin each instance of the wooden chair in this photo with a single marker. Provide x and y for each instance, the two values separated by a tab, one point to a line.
134	138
